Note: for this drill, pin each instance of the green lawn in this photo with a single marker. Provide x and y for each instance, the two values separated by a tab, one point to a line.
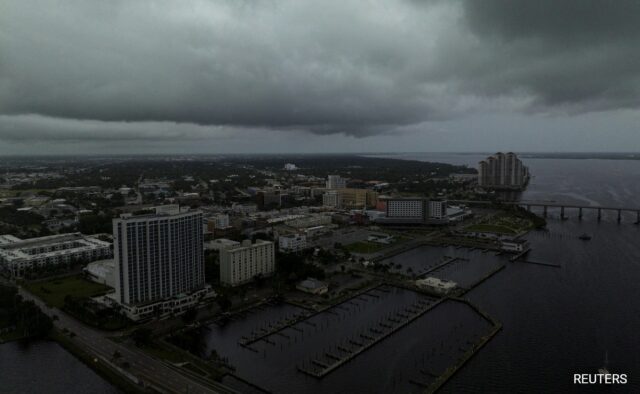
53	291
502	224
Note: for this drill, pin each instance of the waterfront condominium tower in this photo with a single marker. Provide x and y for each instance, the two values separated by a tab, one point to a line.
158	255
502	171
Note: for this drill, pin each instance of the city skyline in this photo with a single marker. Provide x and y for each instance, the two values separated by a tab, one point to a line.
223	77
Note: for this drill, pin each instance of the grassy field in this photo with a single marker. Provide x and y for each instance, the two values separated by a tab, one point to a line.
53	291
502	224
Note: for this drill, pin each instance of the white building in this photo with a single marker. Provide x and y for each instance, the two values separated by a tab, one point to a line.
158	257
336	182
332	199
17	255
514	245
312	286
290	167
102	271
241	264
406	210
436	285
292	242
437	210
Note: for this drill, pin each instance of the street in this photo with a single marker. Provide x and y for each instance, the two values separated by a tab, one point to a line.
150	371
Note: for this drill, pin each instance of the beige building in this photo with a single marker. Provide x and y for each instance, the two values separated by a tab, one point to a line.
242	263
357	198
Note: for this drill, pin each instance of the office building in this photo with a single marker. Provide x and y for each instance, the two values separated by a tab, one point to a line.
241	264
502	171
18	256
159	261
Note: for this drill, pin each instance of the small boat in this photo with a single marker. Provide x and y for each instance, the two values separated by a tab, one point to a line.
585	237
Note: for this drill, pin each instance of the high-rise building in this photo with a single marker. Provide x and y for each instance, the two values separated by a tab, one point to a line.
336	182
158	255
242	263
502	171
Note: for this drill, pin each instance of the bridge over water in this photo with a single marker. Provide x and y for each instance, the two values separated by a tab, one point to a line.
545	205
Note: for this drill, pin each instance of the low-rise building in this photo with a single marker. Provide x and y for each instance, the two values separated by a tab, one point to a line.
174	305
436	285
17	255
312	220
242	263
292	242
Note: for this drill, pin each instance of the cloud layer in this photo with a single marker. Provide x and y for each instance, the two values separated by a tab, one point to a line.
145	69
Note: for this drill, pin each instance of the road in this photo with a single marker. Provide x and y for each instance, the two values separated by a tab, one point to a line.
153	372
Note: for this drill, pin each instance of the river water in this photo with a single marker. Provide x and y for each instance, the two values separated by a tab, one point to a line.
45	367
561	321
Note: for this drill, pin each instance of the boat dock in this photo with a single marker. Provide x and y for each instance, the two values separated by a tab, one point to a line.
343	353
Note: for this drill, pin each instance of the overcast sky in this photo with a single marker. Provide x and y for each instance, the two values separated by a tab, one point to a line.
214	76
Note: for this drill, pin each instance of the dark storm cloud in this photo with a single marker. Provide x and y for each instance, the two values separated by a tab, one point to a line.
353	67
581	54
